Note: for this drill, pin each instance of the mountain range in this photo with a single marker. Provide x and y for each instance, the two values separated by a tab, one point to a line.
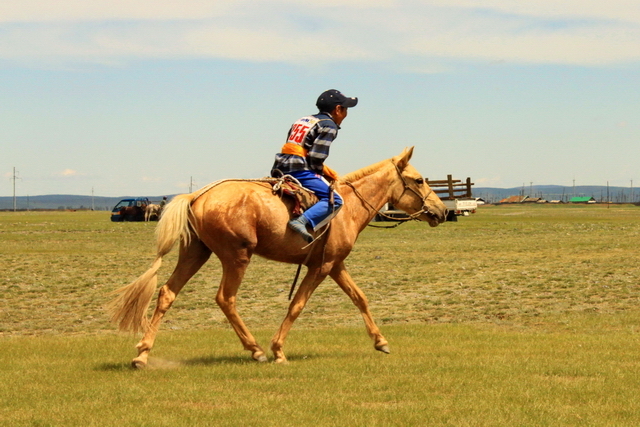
66	201
489	194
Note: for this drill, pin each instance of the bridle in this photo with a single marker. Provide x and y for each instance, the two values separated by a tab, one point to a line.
424	209
411	217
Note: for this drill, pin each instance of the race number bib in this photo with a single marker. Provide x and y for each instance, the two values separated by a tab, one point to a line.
301	128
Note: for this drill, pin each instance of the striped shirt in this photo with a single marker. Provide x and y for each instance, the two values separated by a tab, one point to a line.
317	143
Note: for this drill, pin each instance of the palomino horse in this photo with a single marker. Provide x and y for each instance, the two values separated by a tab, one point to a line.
152	211
237	219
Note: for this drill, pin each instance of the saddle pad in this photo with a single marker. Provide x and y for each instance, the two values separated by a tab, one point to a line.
303	197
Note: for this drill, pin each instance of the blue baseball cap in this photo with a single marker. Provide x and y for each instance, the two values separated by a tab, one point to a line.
331	98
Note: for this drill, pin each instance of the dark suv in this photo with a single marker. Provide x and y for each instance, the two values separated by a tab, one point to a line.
129	209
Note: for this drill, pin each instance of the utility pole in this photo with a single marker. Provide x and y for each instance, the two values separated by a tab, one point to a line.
93	208
14	189
190	184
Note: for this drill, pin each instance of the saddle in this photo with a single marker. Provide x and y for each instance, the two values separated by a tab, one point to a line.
287	186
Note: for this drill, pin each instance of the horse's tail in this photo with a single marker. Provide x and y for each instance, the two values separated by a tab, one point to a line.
129	307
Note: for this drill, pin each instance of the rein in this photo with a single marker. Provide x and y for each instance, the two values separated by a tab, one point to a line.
411	217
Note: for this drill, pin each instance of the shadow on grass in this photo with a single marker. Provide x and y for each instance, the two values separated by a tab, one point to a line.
114	367
157	363
219	360
242	360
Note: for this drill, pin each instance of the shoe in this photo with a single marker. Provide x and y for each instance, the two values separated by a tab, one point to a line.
299	225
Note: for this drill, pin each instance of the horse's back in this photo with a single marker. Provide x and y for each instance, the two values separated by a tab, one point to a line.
241	214
237	199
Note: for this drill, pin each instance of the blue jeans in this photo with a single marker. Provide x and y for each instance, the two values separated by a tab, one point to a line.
318	214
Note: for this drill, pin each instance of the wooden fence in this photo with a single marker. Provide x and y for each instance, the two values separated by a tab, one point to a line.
450	189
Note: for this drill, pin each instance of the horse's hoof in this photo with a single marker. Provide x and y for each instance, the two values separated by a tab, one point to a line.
281	361
260	358
384	349
138	364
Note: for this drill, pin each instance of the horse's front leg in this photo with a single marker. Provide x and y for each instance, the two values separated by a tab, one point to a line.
346	283
310	282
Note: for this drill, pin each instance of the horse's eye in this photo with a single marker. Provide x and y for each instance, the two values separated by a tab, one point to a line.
419	181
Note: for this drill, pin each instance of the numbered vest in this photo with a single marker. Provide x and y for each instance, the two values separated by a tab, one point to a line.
300	129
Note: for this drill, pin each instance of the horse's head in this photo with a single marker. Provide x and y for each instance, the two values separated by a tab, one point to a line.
413	195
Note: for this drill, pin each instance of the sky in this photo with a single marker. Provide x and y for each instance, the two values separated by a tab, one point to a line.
146	98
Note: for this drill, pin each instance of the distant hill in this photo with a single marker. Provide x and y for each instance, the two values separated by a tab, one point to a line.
490	194
66	201
559	192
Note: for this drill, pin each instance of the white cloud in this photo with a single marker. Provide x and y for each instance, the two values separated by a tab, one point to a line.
580	47
622	10
101	10
69	173
260	45
582	32
104	10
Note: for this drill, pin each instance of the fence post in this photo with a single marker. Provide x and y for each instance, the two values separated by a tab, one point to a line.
450	185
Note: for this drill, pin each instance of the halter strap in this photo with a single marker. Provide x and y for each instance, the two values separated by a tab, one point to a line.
414	216
424	209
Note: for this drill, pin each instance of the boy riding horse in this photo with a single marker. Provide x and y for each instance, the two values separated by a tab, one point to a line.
303	156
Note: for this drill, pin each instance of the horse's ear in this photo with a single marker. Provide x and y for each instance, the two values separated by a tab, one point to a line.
403	159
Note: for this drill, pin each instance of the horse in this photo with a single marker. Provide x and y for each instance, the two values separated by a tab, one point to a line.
237	219
132	213
152	211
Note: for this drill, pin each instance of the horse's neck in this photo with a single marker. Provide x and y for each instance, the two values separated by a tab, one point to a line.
375	189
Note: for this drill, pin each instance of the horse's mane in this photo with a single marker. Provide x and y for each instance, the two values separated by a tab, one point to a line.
365	171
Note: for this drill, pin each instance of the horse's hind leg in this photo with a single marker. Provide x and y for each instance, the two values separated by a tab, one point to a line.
191	258
233	269
346	283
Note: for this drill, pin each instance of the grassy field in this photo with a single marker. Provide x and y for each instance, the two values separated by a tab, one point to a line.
518	315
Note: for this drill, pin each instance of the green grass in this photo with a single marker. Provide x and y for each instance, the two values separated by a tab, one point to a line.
447	374
518	315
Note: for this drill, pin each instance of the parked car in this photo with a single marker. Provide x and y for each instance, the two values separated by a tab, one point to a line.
129	209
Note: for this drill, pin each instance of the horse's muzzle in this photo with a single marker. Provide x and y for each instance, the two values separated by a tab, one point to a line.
435	218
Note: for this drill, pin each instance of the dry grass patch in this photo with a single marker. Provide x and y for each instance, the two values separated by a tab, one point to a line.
509	264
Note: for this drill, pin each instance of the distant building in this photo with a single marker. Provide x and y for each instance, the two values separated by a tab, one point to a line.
514	199
533	200
582	200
